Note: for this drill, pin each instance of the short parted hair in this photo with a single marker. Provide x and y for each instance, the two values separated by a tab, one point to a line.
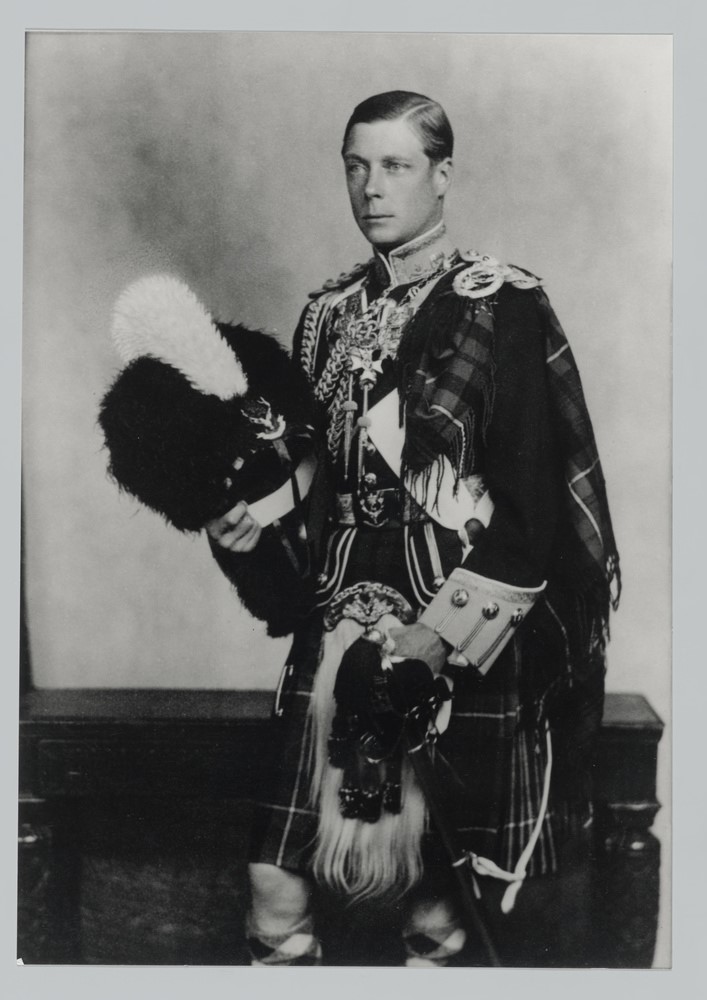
426	117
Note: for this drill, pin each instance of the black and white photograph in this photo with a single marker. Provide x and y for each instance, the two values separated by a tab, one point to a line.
346	500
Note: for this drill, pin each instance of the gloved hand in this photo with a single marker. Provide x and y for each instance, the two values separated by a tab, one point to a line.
236	530
420	642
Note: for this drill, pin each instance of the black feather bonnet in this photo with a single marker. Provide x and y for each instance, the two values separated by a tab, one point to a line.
203	414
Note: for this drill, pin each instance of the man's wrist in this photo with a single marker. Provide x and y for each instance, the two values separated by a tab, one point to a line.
476	616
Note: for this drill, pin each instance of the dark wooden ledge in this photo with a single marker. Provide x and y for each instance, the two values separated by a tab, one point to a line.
134	819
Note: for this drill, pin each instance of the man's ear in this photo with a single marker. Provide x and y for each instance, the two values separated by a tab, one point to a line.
444	171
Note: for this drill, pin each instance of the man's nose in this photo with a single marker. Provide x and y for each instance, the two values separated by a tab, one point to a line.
374	183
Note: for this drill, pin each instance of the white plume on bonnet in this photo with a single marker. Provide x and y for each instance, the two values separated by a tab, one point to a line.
160	317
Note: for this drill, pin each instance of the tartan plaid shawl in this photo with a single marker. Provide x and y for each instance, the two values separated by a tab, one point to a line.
447	380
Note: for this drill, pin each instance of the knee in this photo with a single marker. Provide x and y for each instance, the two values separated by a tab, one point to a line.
429	914
277	892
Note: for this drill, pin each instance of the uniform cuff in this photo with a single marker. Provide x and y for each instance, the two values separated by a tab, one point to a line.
477	616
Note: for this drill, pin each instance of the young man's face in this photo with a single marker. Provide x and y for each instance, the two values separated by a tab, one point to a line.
396	192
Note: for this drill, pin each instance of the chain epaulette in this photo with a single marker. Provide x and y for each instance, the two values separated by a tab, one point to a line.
344	279
485	275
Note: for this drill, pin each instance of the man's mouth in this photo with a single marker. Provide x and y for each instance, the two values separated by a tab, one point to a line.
376	218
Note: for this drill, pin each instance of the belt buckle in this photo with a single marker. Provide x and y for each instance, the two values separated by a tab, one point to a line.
366	603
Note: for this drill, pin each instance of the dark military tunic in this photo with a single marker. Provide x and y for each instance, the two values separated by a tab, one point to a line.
483	336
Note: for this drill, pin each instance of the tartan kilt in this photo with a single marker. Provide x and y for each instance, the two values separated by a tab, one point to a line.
489	763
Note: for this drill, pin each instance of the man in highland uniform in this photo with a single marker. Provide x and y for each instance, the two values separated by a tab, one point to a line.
459	522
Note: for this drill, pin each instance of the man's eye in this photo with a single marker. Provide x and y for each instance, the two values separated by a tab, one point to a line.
395	167
354	169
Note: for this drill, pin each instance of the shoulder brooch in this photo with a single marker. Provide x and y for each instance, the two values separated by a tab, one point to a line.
486	274
344	279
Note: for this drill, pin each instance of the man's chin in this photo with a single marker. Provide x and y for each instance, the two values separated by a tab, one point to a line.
381	234
384	242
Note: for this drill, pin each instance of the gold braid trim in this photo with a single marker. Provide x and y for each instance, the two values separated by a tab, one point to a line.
333	370
314	322
310	329
337	419
344	279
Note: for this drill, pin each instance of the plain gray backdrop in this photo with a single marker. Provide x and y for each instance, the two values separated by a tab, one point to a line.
216	157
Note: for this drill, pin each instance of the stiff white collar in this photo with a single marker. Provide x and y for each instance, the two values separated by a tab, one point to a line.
415	259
